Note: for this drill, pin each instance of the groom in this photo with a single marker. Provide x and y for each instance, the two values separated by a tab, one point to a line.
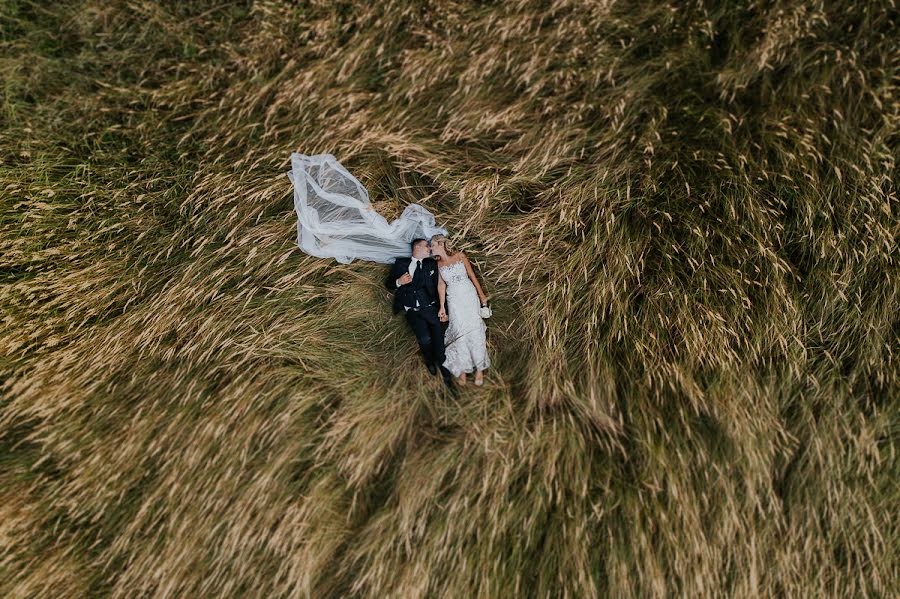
414	282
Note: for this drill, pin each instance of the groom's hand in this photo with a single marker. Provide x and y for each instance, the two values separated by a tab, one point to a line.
405	279
442	315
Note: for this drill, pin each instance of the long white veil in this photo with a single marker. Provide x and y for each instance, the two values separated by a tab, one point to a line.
335	218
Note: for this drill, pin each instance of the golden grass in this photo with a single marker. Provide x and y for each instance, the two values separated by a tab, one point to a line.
685	215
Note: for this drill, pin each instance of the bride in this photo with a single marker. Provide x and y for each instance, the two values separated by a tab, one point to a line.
461	299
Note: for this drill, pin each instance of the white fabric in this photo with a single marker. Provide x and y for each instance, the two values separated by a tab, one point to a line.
466	336
335	218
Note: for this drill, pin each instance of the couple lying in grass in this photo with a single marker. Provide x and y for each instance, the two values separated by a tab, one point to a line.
434	285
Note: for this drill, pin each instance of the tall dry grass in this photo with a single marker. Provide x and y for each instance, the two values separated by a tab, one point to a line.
686	216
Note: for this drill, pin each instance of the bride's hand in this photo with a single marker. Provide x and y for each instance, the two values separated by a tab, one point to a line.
442	315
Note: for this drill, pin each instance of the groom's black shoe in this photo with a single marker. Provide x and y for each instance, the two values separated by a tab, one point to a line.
431	367
448	379
447	376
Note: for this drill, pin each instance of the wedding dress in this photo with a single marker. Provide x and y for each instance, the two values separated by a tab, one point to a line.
465	338
335	218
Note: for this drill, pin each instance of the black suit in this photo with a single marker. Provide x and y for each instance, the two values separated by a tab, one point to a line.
423	319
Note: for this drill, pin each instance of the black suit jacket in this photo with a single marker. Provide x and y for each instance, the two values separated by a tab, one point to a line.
400	266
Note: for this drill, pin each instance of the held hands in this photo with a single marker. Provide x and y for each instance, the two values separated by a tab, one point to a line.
405	279
442	315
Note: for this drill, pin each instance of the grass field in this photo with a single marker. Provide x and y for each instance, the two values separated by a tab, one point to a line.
685	215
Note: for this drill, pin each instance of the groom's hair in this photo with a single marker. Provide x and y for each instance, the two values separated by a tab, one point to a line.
412	244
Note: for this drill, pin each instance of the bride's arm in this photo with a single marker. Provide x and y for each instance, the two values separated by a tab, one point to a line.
474	279
442	293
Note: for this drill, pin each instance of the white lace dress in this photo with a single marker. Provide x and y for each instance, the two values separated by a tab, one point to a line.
465	337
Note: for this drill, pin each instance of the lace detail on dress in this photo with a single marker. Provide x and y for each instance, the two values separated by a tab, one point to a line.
466	335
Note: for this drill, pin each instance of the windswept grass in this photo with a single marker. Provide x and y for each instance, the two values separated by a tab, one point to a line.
686	216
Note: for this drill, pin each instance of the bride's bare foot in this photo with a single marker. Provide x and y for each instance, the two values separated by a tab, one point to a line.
479	378
462	378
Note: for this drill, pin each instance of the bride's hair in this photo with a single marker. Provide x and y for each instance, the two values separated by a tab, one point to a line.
449	247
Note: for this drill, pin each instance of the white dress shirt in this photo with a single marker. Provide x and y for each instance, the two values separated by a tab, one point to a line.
412	269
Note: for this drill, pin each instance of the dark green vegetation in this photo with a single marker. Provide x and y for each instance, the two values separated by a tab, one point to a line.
685	215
